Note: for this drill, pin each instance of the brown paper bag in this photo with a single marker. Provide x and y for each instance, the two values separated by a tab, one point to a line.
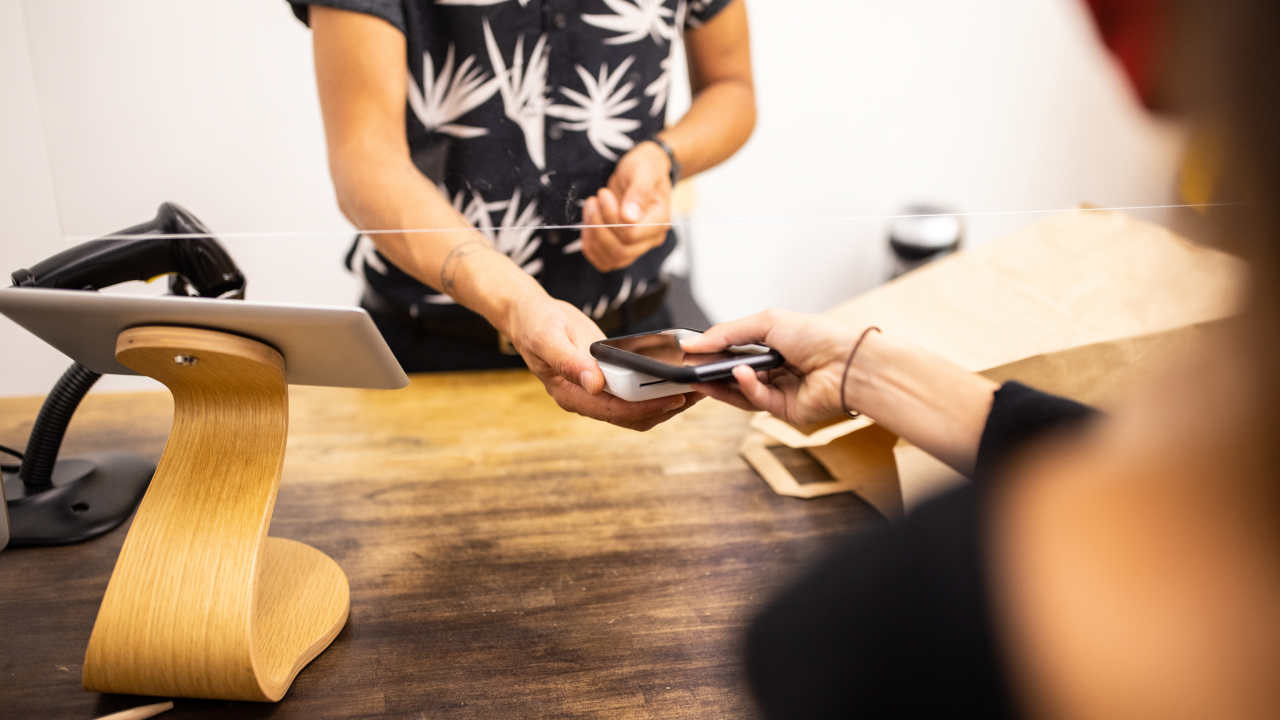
1080	305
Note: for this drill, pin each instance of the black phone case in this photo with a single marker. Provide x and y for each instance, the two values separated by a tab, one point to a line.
679	373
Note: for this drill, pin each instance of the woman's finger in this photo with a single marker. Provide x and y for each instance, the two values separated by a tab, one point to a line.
763	396
726	393
744	331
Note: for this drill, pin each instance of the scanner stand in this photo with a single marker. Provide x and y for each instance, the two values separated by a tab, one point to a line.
62	501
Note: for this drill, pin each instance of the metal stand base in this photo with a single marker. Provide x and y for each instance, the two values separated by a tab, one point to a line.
91	495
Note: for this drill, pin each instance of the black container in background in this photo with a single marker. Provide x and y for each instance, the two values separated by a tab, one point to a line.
923	234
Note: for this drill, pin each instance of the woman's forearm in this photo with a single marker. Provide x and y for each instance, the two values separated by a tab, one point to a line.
931	402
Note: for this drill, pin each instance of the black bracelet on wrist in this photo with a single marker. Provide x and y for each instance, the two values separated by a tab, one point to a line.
671	155
844	378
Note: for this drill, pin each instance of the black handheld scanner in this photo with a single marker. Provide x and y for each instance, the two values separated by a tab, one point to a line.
183	248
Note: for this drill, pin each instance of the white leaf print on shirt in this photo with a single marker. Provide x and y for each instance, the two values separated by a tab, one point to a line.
624	293
634	19
477	2
693	22
366	256
524	91
597	112
515	235
448	97
660	87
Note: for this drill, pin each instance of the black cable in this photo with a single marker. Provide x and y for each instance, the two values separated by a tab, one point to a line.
10	451
51	424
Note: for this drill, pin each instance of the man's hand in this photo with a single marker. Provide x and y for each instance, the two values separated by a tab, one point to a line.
554	338
638	194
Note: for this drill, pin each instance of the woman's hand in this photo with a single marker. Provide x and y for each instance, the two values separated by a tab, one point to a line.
555	339
638	195
807	388
929	401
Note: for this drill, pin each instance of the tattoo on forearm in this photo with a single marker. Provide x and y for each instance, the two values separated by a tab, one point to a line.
453	261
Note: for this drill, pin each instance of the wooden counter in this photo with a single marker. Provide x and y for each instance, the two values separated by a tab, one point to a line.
506	559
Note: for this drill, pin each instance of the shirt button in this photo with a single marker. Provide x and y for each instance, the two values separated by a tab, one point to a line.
556	132
561	21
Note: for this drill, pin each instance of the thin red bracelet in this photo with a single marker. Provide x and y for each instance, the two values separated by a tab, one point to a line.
849	364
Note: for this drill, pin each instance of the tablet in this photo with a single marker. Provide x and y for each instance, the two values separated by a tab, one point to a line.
329	346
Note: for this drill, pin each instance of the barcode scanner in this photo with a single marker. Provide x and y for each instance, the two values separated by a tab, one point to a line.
58	502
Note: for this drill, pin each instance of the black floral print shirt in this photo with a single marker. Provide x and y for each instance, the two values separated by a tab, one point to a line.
519	110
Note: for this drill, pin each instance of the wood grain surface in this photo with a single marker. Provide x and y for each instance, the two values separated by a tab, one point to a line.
506	559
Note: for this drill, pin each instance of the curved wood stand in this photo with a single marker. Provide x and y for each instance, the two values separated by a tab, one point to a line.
202	603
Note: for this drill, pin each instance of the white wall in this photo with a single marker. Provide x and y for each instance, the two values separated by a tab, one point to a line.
111	108
29	228
208	104
985	105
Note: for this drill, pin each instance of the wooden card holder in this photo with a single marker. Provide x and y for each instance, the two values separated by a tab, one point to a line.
202	603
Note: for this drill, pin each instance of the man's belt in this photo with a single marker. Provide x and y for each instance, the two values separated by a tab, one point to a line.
473	328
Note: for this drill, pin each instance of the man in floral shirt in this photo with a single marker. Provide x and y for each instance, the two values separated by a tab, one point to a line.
515	117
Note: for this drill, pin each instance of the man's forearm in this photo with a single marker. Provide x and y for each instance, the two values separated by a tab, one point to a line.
723	112
389	193
719	121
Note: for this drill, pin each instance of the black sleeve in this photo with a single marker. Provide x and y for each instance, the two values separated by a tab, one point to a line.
701	11
389	10
1020	414
893	624
897	623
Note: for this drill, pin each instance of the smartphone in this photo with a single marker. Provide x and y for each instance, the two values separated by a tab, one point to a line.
658	354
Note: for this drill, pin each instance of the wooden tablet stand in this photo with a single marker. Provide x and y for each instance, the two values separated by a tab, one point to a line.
202	603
